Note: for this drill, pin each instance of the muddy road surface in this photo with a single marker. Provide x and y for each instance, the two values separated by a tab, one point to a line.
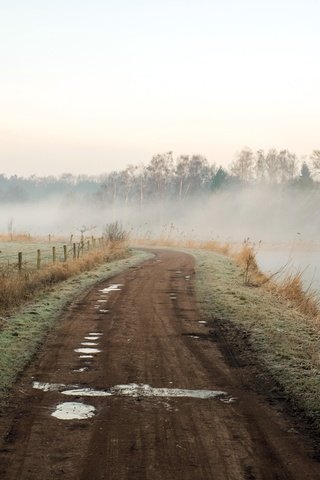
130	385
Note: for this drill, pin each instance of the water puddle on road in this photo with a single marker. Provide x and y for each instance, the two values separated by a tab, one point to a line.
103	311
112	288
48	387
86	356
131	390
87	350
98	334
87	392
102	301
203	322
73	411
89	344
80	370
91	338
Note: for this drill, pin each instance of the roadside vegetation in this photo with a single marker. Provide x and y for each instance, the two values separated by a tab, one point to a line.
20	282
282	330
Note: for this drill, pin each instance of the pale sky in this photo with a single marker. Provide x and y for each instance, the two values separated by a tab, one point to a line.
90	86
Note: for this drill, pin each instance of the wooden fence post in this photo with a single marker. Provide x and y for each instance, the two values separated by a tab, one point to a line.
65	253
54	254
38	259
20	261
74	251
88	244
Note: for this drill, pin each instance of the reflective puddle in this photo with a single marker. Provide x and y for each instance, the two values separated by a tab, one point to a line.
103	311
96	333
87	392
73	411
112	288
91	338
87	350
203	322
131	390
89	344
86	356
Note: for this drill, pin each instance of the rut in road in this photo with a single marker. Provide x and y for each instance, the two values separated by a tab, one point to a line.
130	385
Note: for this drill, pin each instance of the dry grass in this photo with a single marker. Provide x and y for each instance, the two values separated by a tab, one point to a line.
18	237
15	288
211	245
289	287
246	259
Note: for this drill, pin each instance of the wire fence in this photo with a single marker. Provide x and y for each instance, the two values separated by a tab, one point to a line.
24	256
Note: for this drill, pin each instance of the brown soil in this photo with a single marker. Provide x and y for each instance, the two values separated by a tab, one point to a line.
147	338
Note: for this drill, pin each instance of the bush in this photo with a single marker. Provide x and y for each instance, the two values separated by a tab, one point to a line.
114	234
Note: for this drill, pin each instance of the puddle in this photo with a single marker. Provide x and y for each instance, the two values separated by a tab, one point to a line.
73	411
87	392
203	322
87	350
228	400
112	288
132	390
89	344
96	333
193	336
178	272
103	311
102	301
48	387
86	356
90	338
80	370
187	277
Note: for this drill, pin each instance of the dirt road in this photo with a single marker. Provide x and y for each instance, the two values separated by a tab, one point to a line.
199	420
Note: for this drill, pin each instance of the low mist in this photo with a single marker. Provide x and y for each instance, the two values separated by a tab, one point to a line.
262	213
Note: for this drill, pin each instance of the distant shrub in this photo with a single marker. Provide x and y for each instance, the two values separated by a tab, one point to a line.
114	234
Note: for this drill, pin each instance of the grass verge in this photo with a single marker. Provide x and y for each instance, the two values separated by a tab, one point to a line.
24	331
284	342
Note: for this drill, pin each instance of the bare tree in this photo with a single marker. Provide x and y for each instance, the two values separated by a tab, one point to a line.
260	166
272	165
315	159
242	167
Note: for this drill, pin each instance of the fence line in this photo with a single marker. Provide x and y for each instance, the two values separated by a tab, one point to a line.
28	260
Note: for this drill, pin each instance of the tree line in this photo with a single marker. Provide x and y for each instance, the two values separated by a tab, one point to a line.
166	177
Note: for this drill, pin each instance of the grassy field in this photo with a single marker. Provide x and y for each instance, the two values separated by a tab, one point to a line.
9	253
285	342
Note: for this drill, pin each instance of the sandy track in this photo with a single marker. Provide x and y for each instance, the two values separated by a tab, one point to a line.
149	337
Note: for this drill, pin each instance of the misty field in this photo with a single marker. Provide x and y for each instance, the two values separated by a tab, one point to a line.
9	253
